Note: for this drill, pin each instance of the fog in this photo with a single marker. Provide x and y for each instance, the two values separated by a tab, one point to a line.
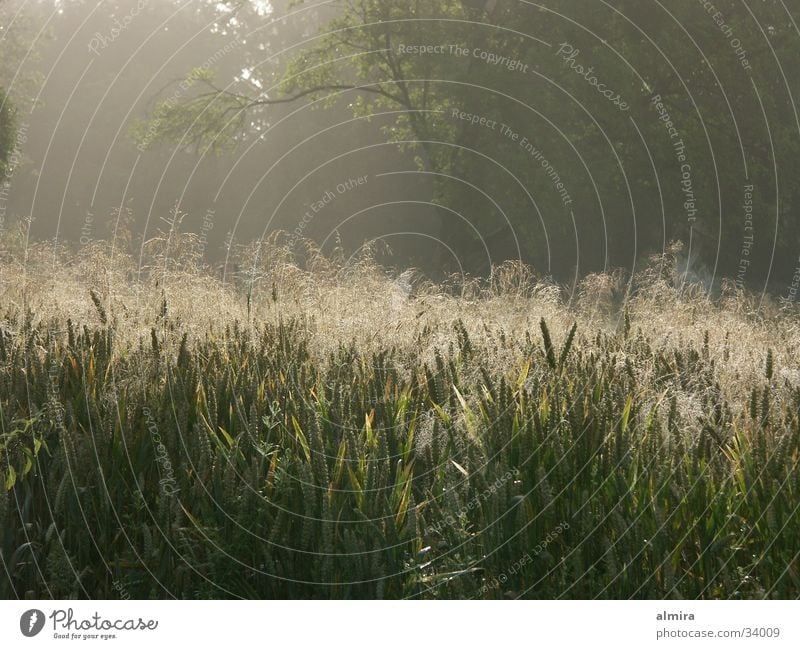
81	171
608	175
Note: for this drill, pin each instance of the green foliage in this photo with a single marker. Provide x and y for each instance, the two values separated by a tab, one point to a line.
199	121
8	133
239	464
735	124
19	448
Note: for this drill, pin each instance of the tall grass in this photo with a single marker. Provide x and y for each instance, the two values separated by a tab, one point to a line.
315	429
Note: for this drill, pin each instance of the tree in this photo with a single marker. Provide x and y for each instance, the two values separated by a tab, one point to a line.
17	31
510	106
7	133
7	126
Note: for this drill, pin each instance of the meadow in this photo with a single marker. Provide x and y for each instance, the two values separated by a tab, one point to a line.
314	427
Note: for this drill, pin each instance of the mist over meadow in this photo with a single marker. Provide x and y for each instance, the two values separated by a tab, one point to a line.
482	132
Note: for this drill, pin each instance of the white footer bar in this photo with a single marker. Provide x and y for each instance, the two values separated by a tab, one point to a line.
405	625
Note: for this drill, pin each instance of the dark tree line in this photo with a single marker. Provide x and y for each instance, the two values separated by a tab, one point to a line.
575	134
506	104
7	126
7	132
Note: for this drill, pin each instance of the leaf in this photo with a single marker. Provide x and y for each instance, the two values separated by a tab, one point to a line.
403	506
372	439
28	461
191	518
227	436
524	374
216	437
461	400
357	488
440	411
408	446
301	438
339	466
11	478
469	419
270	481
544	408
626	413
460	468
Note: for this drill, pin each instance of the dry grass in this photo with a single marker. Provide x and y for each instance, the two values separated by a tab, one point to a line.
353	300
